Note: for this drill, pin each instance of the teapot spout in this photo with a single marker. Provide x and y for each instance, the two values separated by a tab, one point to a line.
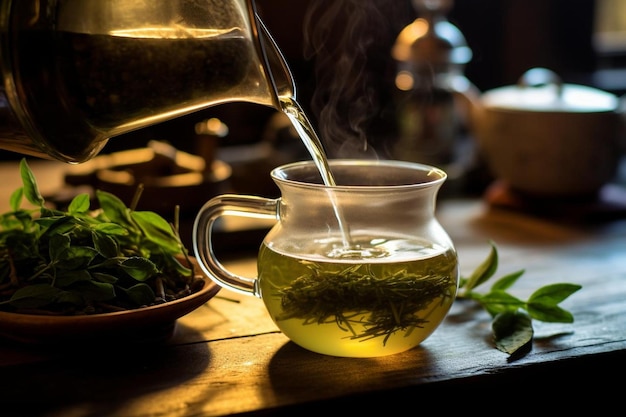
278	73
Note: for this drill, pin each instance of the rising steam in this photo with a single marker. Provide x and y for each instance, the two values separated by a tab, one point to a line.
350	42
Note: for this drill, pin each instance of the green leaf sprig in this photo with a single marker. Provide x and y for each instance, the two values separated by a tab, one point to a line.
513	317
82	261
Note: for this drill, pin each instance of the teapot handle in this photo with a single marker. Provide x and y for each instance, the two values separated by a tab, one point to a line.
228	205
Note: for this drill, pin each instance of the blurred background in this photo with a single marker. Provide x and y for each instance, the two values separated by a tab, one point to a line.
584	41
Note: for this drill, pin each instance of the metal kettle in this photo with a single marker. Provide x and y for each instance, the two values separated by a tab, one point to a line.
76	73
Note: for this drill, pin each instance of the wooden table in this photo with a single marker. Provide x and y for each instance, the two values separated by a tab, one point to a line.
228	358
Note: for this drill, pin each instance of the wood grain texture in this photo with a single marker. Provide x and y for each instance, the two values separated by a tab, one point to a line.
228	358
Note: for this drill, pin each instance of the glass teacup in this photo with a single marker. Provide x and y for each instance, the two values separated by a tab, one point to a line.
360	269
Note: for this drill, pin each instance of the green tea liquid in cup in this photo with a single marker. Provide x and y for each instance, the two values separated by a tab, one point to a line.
359	269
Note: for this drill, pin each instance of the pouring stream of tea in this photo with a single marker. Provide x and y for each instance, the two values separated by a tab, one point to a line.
313	144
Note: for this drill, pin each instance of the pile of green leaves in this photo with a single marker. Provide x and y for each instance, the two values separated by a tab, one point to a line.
382	303
512	317
82	261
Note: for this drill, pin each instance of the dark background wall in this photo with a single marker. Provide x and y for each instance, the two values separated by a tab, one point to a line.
507	37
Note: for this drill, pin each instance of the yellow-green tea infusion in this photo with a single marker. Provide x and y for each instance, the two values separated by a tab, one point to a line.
385	302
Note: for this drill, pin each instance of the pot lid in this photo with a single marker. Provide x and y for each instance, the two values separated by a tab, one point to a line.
540	90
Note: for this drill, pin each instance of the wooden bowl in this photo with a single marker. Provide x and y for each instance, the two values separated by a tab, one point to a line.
143	325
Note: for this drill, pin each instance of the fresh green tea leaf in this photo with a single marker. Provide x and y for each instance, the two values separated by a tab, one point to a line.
57	247
496	302
79	204
507	281
484	271
102	277
31	191
94	290
111	229
66	278
513	332
549	313
78	257
140	294
139	268
15	201
34	296
56	225
157	230
105	244
553	294
71	300
20	219
114	209
175	264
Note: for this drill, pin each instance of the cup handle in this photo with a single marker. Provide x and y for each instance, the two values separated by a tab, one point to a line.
211	211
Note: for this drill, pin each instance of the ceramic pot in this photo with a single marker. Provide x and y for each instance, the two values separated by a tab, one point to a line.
547	138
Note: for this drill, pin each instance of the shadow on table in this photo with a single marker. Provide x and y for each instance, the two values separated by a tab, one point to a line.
294	369
72	378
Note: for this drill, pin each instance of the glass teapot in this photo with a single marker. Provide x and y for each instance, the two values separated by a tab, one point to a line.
76	73
360	269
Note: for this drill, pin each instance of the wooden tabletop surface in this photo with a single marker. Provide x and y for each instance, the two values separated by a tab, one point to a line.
228	358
